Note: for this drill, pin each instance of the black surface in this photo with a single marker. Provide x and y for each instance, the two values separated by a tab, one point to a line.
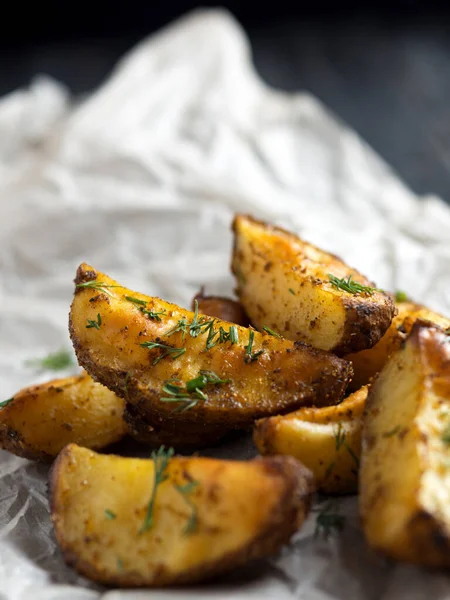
386	76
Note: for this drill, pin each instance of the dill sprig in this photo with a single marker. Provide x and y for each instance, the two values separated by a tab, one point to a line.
6	402
94	324
192	392
160	459
392	431
166	350
251	356
271	331
55	361
142	306
109	514
339	436
401	296
350	286
100	286
186	491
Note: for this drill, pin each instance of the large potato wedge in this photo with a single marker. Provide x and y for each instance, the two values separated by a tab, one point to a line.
40	420
367	363
283	283
235	511
138	352
404	475
178	438
326	440
225	309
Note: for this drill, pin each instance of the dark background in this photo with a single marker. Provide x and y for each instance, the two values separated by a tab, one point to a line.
383	67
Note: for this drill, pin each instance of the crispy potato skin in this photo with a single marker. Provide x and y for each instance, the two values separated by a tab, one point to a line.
326	440
224	309
367	363
404	484
178	438
43	419
245	510
282	282
284	377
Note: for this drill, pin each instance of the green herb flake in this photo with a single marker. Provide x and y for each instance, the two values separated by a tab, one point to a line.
392	432
329	470
55	361
6	402
94	324
120	565
192	392
166	350
141	305
292	292
271	332
100	286
161	459
339	436
251	356
401	296
109	514
350	286
186	491
446	435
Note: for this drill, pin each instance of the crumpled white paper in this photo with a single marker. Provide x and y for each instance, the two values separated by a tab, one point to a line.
142	180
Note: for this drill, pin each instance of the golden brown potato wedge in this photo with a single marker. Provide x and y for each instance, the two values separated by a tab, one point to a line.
283	282
224	309
182	368
368	363
178	438
40	420
326	440
404	476
229	512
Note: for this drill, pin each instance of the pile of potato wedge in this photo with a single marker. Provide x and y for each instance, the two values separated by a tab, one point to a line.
346	388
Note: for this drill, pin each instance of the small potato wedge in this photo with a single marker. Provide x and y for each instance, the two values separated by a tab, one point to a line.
41	420
283	283
404	476
326	440
178	438
166	360
224	309
229	513
367	363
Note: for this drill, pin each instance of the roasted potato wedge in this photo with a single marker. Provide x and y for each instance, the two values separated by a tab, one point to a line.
178	438
404	476
326	440
283	283
224	309
368	363
40	420
233	512
145	349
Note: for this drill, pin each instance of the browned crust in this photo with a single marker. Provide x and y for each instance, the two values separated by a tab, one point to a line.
225	309
293	507
144	433
11	441
365	324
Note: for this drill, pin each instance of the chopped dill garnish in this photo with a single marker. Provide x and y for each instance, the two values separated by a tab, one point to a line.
192	392
392	432
142	306
446	435
251	356
339	436
94	324
350	286
55	361
401	296
6	402
109	514
329	470
186	490
292	291
97	285
161	459
166	350
271	331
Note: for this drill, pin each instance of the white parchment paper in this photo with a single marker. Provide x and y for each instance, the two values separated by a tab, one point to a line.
141	180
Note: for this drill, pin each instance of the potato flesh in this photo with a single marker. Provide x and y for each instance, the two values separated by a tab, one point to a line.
235	503
404	479
225	309
283	283
44	418
367	363
326	440
284	377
